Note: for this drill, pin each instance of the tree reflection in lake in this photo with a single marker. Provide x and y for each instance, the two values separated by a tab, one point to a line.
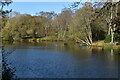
59	60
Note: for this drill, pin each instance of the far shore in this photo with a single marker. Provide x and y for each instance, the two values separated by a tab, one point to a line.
100	43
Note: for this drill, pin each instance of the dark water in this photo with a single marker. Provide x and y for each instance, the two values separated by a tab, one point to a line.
56	60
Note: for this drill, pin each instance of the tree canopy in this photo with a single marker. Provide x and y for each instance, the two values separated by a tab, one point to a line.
91	22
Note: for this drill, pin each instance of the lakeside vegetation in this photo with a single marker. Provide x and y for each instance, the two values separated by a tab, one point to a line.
87	25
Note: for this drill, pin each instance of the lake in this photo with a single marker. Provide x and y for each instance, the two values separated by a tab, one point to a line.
59	60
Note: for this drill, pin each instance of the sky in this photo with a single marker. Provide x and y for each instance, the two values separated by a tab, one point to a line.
45	0
34	7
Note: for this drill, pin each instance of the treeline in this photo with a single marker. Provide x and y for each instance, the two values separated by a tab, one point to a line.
91	22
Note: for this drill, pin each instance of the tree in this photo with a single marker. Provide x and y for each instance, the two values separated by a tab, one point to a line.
81	25
48	16
7	72
107	10
62	22
110	11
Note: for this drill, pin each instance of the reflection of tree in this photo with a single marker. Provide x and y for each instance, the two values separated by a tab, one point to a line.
77	48
111	52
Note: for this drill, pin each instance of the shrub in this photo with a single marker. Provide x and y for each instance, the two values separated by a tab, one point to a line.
117	37
107	39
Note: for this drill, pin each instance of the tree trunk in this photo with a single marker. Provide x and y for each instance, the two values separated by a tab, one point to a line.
112	35
113	28
111	17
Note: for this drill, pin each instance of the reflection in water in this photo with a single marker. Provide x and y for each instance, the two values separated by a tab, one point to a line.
57	60
111	52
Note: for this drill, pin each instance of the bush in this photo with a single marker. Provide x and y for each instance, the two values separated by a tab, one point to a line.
107	39
6	35
117	37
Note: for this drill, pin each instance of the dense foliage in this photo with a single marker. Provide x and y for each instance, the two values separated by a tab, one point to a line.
91	22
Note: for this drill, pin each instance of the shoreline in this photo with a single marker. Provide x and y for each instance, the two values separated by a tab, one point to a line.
94	44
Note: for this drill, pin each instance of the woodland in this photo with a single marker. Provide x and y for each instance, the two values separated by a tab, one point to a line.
90	23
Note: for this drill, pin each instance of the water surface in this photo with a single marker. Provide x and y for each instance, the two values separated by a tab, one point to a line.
56	60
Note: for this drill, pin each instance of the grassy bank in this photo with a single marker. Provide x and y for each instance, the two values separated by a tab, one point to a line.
105	45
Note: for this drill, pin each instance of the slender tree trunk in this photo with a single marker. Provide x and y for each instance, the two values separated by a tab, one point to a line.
111	17
89	33
113	29
112	35
109	29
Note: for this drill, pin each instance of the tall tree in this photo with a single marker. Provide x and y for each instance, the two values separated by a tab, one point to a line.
81	24
62	22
